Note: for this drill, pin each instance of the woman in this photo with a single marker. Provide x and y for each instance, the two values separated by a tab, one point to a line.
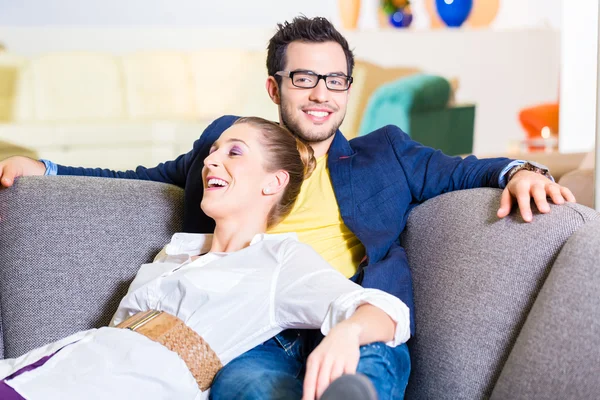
209	298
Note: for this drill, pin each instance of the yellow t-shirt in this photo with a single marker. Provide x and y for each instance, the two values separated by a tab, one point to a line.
317	221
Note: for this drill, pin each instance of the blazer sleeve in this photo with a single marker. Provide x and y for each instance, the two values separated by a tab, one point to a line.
173	172
429	172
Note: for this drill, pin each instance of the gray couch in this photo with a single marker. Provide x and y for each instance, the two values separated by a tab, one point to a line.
504	309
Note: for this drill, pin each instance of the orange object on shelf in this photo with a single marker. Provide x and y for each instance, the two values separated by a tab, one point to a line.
349	13
483	13
540	122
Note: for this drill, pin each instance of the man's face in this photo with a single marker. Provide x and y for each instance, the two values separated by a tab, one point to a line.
313	114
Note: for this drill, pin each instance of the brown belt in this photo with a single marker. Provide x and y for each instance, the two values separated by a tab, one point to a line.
176	336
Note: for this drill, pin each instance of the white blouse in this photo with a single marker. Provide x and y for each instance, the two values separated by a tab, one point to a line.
235	301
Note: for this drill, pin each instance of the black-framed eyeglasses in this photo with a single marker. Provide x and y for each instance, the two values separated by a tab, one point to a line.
308	80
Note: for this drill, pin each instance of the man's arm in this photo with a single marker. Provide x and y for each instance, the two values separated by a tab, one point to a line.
14	167
174	172
429	173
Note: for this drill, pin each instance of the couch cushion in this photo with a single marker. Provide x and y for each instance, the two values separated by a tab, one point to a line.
69	248
558	349
581	183
218	81
10	66
256	101
76	87
158	85
475	278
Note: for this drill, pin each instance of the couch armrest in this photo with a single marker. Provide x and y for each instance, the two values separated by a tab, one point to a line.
475	278
557	353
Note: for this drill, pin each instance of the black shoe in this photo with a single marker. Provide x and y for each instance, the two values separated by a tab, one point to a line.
350	387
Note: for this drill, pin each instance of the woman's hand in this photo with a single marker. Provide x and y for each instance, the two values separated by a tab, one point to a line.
336	355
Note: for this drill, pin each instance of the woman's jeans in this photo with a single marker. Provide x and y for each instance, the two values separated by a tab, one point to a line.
275	369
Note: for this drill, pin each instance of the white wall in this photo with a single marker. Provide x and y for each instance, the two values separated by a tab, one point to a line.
579	52
257	13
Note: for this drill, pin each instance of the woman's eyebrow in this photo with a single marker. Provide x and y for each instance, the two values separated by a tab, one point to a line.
237	140
217	143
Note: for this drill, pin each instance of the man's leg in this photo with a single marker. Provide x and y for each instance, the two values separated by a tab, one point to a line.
387	368
268	372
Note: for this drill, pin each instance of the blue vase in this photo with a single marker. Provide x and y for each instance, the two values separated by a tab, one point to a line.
401	18
454	12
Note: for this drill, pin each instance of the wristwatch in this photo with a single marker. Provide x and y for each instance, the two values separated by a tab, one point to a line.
529	166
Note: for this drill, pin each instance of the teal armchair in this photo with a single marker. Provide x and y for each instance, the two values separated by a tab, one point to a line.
418	104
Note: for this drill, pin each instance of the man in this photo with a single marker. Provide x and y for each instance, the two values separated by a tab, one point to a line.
351	210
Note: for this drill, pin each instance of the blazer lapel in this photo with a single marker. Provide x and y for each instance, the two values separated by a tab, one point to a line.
340	163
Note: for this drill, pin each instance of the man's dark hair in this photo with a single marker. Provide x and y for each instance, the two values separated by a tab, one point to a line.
307	30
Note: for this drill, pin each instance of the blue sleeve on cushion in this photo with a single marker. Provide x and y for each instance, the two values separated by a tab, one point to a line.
173	172
51	168
430	172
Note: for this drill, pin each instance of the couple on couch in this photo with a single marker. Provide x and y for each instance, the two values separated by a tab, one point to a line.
351	211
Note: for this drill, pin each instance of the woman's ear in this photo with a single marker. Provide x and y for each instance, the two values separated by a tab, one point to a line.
273	90
277	183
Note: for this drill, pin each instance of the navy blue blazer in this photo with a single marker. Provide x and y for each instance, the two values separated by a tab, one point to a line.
377	180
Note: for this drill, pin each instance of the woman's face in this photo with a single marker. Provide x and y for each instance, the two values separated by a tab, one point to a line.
233	174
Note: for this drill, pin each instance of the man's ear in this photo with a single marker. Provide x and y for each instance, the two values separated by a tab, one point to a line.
273	90
277	183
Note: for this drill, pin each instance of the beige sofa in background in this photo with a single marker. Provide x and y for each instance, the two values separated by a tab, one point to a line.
123	110
581	180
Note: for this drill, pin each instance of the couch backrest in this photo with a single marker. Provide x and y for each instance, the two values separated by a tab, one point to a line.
80	87
10	65
69	247
96	87
475	279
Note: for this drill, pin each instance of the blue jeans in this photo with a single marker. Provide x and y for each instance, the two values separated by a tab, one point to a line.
275	369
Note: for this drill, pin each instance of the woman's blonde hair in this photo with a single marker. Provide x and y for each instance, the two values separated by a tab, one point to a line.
284	151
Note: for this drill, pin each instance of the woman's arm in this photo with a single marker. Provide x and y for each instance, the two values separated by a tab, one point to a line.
310	293
370	324
339	353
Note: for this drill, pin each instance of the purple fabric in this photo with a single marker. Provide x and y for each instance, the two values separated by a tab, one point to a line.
31	366
8	393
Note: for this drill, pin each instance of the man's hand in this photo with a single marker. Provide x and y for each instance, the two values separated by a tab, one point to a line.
14	167
336	355
526	185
